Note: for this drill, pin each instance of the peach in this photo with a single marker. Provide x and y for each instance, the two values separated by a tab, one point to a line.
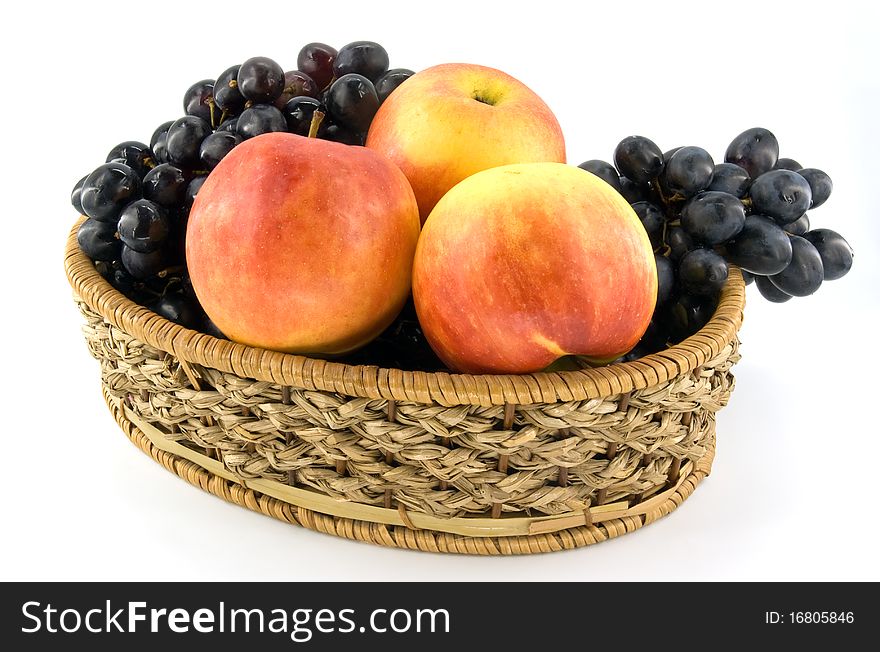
302	245
520	265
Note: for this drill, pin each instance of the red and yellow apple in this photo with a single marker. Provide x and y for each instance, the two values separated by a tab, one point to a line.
302	245
448	122
520	265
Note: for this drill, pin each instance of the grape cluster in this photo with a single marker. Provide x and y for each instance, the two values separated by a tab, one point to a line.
138	201
750	211
402	345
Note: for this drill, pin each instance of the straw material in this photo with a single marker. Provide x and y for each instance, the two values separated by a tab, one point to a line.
430	461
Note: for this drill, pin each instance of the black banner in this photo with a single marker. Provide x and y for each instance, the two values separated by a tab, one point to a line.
423	616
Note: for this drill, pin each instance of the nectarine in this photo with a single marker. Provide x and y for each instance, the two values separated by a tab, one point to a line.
302	245
522	264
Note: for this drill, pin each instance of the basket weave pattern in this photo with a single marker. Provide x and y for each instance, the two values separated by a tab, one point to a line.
443	445
433	459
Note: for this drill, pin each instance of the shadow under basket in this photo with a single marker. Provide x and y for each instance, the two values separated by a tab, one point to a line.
441	462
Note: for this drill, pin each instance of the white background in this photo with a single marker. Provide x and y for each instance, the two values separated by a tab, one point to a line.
792	493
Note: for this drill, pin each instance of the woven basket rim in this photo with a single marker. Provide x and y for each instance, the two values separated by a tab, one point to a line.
373	382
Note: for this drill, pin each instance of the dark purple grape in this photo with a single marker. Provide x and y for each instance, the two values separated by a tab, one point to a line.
799	226
352	101
409	310
134	154
364	58
391	80
702	272
227	95
316	60
187	288
756	150
98	240
166	185
143	266
296	83
665	279
158	285
143	226
176	307
261	80
632	191
230	125
770	291
104	268
836	254
176	243
192	190
184	140
636	353
730	178
158	141
652	219
748	277
299	112
108	189
820	185
210	328
669	153
604	171
654	339
688	171
340	134
761	247
679	242
199	101
122	280
804	274
260	119
638	159
687	315
713	217
787	164
402	345
216	146
76	195
781	194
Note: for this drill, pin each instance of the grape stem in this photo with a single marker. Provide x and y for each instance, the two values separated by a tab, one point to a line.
210	104
663	249
317	117
663	198
168	271
142	287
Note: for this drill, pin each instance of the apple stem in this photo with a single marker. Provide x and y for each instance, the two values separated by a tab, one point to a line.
317	117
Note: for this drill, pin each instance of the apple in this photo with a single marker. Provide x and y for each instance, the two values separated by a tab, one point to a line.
520	265
448	122
302	245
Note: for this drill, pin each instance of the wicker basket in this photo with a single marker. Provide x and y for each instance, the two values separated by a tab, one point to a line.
430	461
